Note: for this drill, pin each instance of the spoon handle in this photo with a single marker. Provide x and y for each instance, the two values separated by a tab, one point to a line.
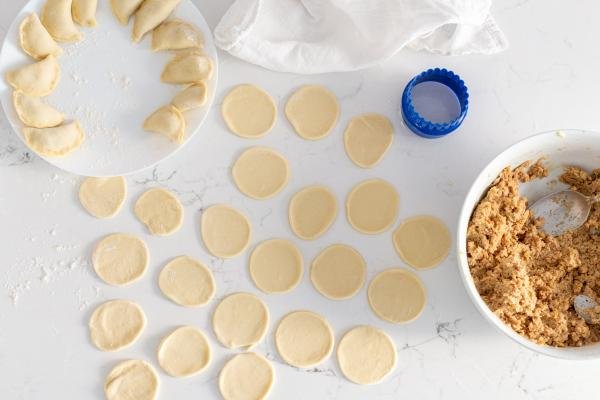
594	199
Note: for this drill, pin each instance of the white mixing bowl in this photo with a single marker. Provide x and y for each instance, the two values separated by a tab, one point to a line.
559	148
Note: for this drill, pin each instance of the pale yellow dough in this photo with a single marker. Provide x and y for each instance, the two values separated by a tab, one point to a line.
225	231
338	272
103	197
372	206
34	112
149	15
55	141
116	324
276	266
57	18
240	321
131	379
184	352
397	295
187	282
367	138
188	67
260	172
312	211
246	376
175	34
422	241
168	121
249	111
35	39
120	259
304	339
84	12
313	111
366	355
37	79
160	211
193	96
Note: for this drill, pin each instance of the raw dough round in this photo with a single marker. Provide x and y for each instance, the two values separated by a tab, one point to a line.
304	339
103	197
372	206
260	173
116	324
367	138
160	211
187	282
397	295
249	111
422	241
131	379
120	259
366	355
184	352
240	320
313	111
225	231
246	376
276	266
338	272
312	211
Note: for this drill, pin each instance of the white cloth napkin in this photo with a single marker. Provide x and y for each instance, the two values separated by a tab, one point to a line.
314	36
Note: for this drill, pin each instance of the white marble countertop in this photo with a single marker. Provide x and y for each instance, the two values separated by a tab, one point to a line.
548	79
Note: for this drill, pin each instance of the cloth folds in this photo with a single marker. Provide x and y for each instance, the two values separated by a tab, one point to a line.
315	36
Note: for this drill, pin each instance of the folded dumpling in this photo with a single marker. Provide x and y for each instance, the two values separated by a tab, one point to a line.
193	96
150	14
123	9
175	34
57	141
191	67
35	39
37	79
168	121
84	12
56	17
32	111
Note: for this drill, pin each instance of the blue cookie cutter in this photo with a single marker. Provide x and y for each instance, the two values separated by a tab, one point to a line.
420	125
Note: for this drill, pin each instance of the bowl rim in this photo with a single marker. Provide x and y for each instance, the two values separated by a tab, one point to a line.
570	353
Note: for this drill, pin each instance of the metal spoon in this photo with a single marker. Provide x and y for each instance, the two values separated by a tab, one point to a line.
582	304
563	211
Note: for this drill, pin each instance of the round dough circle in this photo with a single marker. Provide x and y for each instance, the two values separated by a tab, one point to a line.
249	111
116	324
131	379
372	206
367	138
312	211
240	320
160	211
184	352
276	266
338	272
225	231
187	282
246	376
313	111
422	241
260	172
304	339
366	355
120	259
103	197
397	295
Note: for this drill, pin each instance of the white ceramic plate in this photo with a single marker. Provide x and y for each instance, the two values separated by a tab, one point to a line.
110	85
559	149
